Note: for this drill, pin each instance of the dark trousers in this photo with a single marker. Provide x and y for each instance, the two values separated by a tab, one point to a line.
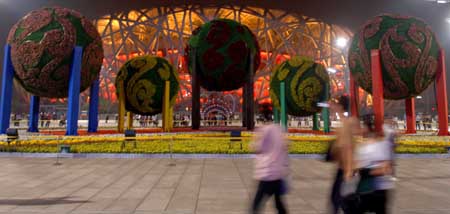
375	202
336	191
267	189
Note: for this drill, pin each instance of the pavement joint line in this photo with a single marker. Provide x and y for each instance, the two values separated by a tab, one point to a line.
120	176
108	171
59	186
135	182
84	176
200	186
152	187
63	172
242	179
178	182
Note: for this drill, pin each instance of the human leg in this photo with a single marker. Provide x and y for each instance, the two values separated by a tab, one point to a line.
259	196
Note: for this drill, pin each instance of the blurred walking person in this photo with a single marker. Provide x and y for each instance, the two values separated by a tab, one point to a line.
341	151
271	167
373	158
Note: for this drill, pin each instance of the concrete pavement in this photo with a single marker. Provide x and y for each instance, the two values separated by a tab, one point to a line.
188	186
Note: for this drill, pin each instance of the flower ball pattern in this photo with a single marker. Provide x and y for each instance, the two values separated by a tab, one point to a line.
142	81
408	51
222	52
306	84
42	45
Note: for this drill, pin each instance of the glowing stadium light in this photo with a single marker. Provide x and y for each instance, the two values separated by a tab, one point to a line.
331	70
341	42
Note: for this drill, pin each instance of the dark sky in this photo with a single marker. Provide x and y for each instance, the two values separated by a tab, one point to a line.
349	13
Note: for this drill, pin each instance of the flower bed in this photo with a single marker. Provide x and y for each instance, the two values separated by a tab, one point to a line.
208	143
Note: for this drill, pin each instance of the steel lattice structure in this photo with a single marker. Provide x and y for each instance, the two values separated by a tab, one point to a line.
164	31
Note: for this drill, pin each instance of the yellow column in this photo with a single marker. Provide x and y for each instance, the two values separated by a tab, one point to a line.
129	120
170	118
166	107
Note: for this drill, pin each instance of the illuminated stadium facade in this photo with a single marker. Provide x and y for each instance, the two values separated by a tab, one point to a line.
164	31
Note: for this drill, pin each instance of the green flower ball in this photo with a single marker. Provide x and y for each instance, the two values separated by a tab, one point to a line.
42	45
408	50
142	80
306	84
222	53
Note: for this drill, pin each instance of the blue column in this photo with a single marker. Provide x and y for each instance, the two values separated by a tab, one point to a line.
93	107
34	114
74	92
6	96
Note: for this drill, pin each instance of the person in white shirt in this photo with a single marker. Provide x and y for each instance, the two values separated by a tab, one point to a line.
373	158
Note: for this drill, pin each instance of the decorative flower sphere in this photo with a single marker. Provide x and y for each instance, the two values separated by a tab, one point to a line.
408	51
142	80
42	45
306	84
222	52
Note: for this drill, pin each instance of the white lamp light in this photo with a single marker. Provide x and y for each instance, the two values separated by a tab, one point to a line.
331	70
341	42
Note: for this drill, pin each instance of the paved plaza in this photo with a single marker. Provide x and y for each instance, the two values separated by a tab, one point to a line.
187	186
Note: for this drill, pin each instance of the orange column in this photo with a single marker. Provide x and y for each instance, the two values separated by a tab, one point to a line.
377	90
441	94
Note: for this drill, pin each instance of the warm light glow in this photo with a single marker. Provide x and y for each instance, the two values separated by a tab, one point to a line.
341	42
331	70
165	31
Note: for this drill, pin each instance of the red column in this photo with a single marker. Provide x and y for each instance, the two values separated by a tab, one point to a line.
410	116
377	90
441	95
354	95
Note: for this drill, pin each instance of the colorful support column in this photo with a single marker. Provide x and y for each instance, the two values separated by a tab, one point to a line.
74	92
166	107
34	114
249	96
326	112
195	95
276	115
326	120
441	94
283	106
120	122
93	107
7	83
377	90
354	96
244	106
129	120
315	122
171	118
410	116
